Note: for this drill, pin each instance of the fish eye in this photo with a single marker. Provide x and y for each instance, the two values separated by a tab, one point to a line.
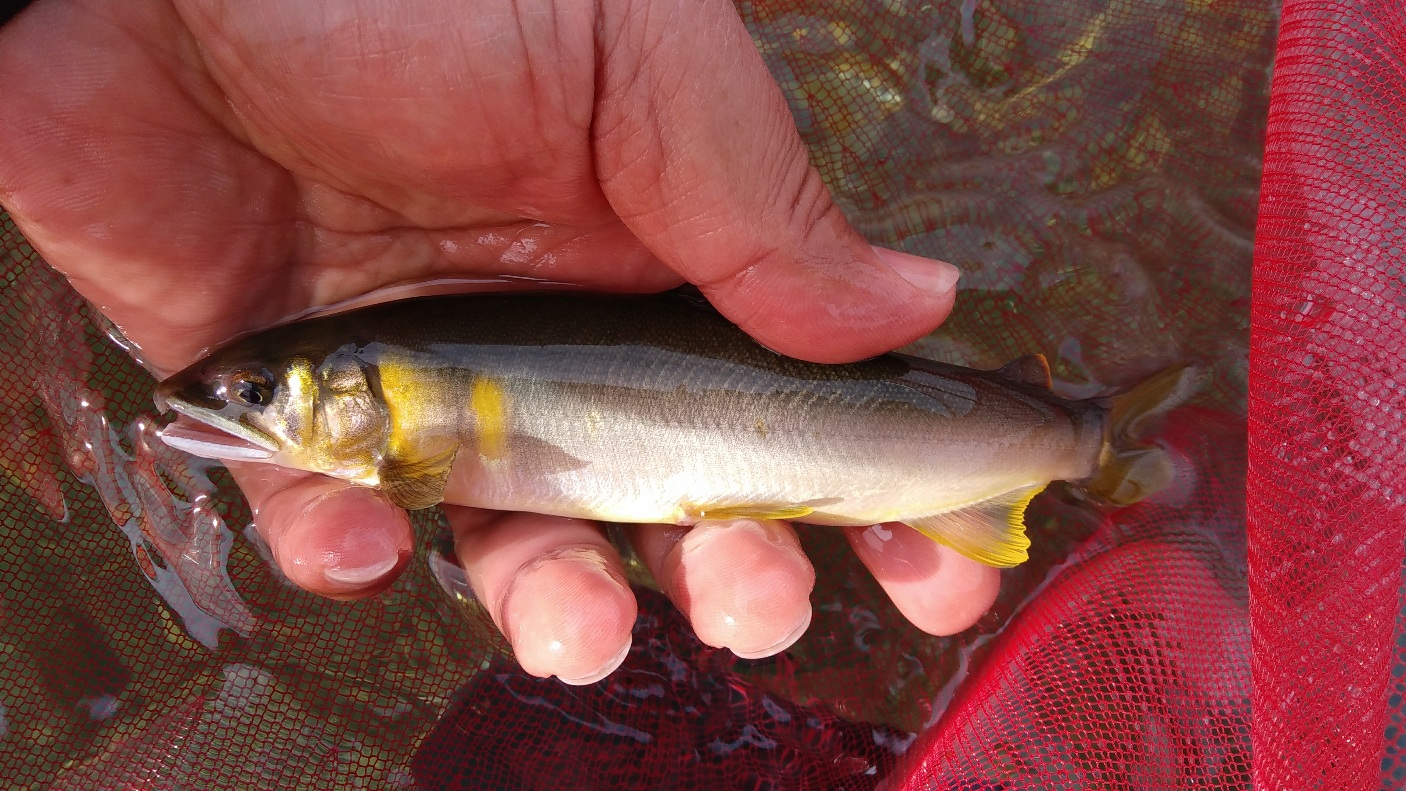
253	388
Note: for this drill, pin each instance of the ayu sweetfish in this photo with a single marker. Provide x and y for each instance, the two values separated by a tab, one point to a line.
654	409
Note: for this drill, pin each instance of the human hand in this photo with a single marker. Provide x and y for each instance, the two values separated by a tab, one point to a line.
200	168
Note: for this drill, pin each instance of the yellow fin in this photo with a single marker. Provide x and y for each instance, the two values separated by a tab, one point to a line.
1127	476
1130	469
418	484
991	531
753	511
490	406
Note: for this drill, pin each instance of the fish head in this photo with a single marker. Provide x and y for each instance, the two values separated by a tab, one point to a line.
298	409
238	407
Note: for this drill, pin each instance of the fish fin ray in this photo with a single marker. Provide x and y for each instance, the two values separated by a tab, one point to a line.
417	484
1031	369
1131	469
1131	413
751	511
990	532
1131	474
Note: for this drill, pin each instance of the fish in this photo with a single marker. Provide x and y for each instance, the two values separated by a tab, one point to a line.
657	409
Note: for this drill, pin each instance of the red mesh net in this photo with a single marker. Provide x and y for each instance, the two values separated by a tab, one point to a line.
1094	168
1328	471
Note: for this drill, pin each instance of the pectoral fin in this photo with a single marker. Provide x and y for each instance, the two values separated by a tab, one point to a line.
990	532
417	484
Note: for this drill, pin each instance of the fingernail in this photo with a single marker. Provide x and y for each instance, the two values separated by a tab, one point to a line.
739	594
360	576
541	577
928	274
898	549
782	644
693	545
604	670
877	536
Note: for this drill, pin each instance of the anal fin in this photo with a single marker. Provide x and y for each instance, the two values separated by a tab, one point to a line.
417	484
990	532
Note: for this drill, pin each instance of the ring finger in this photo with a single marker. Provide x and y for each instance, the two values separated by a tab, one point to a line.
744	584
554	586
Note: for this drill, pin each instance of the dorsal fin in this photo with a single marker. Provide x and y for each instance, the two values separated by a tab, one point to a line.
1032	369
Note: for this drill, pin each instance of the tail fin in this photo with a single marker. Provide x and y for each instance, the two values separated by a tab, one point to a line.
1132	469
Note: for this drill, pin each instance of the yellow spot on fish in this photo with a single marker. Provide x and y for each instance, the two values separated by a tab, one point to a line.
490	407
299	377
761	428
296	406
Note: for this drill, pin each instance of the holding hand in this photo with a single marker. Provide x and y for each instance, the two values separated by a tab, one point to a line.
198	169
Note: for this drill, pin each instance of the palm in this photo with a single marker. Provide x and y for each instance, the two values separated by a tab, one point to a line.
384	174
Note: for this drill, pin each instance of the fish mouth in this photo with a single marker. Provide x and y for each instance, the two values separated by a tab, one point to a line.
205	432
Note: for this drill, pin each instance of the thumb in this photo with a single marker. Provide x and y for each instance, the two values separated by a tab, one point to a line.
698	154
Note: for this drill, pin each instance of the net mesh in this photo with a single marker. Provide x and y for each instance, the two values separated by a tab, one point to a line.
1328	471
1094	167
